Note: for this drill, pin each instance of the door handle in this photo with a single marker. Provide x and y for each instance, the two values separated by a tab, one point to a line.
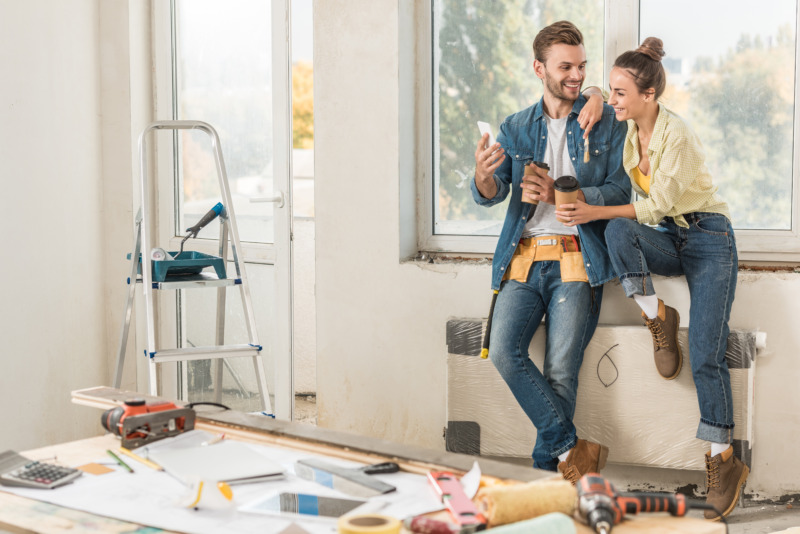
277	198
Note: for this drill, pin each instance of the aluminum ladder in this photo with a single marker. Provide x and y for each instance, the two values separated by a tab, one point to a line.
142	246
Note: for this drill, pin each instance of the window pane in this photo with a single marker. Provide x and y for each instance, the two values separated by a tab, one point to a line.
483	71
224	77
735	86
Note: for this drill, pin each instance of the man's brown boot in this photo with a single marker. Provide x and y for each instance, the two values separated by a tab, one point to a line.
585	457
725	476
666	349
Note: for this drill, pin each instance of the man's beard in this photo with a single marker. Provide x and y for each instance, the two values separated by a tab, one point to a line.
556	89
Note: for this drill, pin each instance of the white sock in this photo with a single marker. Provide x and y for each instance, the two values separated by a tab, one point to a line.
563	456
717	448
648	304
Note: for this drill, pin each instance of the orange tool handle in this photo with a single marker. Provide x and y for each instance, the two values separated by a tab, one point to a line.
634	503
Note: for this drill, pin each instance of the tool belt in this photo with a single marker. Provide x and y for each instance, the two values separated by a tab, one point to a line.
561	248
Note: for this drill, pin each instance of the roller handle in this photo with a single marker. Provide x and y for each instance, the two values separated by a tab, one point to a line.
207	218
485	346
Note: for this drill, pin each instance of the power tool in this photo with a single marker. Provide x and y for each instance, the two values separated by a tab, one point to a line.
139	423
602	507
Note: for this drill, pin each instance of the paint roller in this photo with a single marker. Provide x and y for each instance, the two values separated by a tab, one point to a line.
502	504
541	507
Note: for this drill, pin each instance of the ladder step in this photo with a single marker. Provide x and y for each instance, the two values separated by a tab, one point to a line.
204	353
192	281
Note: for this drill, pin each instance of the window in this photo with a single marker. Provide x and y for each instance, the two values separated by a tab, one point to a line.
482	71
735	86
731	75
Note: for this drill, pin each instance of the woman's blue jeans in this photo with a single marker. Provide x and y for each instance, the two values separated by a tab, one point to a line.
706	254
571	310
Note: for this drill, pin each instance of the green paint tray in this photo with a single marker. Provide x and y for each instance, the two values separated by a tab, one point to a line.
185	263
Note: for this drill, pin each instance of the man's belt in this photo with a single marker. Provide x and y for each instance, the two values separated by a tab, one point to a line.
547	247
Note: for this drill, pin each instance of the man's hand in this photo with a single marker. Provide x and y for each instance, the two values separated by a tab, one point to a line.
487	160
591	113
538	186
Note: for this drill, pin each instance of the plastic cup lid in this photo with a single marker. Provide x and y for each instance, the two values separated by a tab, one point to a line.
566	184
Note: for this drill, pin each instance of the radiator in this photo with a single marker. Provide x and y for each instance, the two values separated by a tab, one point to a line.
622	401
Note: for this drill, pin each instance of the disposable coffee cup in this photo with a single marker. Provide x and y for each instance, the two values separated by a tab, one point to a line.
530	169
566	192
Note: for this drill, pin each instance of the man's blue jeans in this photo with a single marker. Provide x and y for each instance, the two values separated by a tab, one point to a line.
571	310
706	254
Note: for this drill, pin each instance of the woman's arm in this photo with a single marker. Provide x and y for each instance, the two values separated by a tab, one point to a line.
581	212
592	111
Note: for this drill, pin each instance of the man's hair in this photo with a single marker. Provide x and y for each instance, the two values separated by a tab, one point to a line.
561	32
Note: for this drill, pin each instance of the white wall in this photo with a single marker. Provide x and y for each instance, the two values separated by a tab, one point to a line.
68	109
381	321
52	317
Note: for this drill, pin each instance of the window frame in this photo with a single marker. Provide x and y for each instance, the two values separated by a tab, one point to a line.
621	34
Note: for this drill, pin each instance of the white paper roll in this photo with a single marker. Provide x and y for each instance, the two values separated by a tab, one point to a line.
159	254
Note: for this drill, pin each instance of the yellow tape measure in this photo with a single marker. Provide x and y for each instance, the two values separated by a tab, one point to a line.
369	524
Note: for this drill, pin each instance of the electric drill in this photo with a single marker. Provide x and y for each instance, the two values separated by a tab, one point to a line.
602	507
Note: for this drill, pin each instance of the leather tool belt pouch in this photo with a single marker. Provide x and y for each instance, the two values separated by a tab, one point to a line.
572	268
547	248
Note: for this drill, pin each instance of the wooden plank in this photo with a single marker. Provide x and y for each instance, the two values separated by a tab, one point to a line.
261	429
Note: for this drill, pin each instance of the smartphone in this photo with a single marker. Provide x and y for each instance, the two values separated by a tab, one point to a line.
310	505
485	127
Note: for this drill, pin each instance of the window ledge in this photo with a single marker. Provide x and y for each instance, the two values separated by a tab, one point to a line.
444	258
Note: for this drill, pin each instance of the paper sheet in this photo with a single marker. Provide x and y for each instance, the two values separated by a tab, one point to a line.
154	497
227	461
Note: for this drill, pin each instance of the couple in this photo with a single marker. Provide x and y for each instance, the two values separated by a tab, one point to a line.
633	142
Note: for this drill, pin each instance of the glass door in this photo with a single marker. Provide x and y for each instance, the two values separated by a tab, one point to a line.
231	68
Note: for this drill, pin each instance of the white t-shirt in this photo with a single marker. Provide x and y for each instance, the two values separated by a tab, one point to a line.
556	155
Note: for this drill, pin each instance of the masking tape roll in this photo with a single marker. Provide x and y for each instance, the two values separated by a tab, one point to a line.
369	524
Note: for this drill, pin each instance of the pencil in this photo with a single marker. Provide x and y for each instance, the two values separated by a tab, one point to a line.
119	461
215	439
149	463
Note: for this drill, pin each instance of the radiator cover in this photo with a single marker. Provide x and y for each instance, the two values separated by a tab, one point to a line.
622	401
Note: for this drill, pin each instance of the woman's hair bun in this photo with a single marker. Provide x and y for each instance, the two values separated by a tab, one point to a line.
653	48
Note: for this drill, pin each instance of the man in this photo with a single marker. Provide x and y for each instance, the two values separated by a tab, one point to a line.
536	266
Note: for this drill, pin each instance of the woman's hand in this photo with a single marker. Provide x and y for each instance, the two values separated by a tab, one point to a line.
576	213
591	113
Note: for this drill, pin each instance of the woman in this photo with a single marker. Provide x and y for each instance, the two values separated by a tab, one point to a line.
694	238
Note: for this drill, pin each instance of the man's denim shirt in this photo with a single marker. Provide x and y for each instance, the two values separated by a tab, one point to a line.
603	181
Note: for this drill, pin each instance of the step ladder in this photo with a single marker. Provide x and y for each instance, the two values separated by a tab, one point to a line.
203	280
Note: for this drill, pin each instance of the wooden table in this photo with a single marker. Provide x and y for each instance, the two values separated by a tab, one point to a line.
18	514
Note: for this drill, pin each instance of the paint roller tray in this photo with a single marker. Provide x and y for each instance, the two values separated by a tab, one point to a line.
185	263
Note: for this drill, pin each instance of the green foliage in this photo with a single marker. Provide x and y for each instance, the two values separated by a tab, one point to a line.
743	111
485	72
303	105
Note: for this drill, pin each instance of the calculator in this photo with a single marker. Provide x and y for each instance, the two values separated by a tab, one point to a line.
16	470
